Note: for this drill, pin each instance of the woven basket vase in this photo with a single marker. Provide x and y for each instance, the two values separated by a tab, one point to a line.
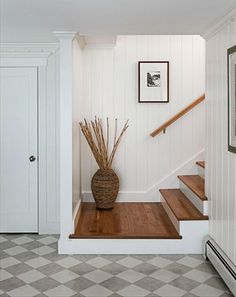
105	188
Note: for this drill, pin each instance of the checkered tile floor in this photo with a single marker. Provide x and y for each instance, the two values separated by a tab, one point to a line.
30	266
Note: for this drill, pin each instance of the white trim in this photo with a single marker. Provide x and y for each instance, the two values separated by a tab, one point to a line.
76	213
228	18
66	98
152	194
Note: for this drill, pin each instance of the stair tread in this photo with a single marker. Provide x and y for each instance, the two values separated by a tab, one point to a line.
180	205
201	163
195	183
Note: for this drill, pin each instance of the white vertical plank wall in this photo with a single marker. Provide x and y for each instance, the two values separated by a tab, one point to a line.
220	164
110	90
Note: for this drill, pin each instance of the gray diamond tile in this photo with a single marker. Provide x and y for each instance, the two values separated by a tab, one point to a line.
18	268
178	268
25	256
48	240
44	284
80	284
150	283
207	267
146	268
2	239
10	284
190	261
82	268
115	284
114	268
159	262
50	269
216	282
184	283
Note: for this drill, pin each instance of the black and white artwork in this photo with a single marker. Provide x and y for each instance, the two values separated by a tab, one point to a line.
153	81
232	99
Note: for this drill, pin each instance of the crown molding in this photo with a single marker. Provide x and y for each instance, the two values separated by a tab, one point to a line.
65	34
217	26
100	41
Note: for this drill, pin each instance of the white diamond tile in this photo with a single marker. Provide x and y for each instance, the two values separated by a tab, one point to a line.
130	275
31	276
68	262
4	275
164	275
133	290
48	240
1	292
37	262
60	291
199	276
98	262
206	291
7	262
170	291
25	291
16	250
22	240
98	276
96	291
64	276
129	262
190	261
44	250
159	262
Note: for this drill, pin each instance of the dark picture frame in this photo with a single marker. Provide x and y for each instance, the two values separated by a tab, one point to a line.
153	81
231	74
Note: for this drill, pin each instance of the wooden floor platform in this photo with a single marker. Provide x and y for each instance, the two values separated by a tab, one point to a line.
126	220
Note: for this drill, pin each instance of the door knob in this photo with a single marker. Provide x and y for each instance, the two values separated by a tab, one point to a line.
32	158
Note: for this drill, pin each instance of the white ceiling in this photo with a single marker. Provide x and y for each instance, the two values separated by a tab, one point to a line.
35	20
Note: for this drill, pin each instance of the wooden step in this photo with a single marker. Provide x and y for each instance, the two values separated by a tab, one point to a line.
129	220
195	183
201	164
181	207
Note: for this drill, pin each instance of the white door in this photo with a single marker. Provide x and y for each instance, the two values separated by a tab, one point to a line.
18	150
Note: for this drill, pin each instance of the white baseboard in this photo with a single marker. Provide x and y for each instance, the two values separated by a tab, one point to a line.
152	194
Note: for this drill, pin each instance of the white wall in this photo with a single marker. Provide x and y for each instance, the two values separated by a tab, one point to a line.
220	164
110	89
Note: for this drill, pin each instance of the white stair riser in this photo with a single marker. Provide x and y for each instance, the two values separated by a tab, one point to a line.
202	206
201	172
193	233
170	214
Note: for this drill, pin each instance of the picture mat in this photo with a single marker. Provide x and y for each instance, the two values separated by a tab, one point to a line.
153	93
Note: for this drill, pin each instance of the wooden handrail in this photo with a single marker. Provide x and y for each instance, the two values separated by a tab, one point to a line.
177	116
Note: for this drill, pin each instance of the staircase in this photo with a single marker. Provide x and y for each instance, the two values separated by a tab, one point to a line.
188	203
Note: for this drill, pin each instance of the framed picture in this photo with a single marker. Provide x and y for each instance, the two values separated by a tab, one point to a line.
153	81
232	99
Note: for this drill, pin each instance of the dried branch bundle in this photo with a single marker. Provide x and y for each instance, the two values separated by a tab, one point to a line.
99	144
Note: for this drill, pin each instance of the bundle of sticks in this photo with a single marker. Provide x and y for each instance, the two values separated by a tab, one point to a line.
98	140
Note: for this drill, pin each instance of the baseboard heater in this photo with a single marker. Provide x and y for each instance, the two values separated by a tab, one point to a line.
221	263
